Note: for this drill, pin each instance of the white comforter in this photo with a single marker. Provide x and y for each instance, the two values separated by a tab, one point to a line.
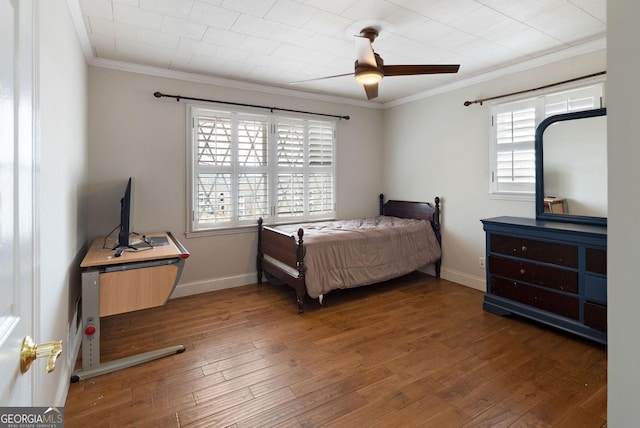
351	253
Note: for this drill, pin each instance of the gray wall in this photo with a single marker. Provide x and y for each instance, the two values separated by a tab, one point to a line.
623	57
437	146
412	151
465	201
132	133
61	187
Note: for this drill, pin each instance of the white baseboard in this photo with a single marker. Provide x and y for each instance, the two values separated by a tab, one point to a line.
479	283
74	340
197	287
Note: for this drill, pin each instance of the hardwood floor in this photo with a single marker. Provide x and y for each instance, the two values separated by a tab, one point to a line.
410	352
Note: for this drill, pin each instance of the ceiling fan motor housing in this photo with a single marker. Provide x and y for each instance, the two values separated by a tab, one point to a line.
370	33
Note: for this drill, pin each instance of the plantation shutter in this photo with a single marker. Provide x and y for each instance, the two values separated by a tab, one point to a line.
587	98
231	169
515	159
514	129
321	168
214	165
251	169
246	166
290	181
305	169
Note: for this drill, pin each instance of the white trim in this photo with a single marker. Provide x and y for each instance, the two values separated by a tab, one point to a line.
479	283
214	284
76	13
593	46
36	179
83	36
506	196
227	83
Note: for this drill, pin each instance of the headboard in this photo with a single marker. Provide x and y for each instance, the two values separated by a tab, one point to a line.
417	210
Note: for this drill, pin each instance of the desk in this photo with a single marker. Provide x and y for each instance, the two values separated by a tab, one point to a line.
112	285
555	205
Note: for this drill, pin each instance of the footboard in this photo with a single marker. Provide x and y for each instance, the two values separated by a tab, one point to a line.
280	255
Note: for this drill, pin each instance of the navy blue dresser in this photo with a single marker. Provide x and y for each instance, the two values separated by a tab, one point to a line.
549	271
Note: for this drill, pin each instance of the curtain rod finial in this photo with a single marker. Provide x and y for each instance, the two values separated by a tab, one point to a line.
467	103
157	94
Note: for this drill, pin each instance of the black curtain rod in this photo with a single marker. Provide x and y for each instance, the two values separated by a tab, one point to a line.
180	97
480	101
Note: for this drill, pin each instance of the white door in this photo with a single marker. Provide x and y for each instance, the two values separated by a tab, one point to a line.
16	198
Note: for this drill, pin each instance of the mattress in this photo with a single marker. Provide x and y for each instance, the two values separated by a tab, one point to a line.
357	252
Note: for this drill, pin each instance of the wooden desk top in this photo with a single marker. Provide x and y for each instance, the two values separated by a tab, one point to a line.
100	256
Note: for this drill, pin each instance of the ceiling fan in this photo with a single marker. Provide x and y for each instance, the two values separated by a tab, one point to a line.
370	68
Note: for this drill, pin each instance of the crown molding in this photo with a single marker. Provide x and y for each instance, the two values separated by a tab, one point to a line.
76	15
585	48
92	60
227	83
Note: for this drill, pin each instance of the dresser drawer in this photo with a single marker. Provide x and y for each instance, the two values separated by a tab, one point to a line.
597	260
561	304
548	252
595	316
547	276
595	288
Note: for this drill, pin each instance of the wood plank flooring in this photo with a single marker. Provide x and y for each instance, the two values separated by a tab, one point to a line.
413	352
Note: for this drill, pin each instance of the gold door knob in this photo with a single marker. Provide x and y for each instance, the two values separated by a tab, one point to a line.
30	352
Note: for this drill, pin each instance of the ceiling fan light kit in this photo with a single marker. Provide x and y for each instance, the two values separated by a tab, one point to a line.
369	77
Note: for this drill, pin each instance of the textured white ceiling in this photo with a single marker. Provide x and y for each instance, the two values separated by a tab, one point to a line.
276	42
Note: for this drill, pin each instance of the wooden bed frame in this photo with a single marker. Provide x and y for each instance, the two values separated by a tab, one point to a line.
284	247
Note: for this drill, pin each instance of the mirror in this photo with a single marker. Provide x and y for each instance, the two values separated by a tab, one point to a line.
571	167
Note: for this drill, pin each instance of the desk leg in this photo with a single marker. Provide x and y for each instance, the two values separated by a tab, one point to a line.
91	336
125	362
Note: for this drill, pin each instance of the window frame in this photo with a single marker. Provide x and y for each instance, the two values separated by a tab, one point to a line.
540	102
271	170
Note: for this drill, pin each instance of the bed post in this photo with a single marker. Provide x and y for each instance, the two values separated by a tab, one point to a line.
436	229
381	204
260	256
301	288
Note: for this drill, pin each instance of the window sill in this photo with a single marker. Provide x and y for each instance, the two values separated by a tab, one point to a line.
249	228
219	232
520	197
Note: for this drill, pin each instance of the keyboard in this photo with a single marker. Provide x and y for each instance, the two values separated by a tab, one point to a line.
152	241
158	241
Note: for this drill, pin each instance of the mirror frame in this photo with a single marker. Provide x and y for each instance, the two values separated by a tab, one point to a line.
540	214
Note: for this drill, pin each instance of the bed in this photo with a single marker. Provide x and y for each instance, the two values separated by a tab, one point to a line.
315	258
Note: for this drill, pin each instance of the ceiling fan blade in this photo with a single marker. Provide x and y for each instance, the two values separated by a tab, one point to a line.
371	90
408	70
365	51
321	78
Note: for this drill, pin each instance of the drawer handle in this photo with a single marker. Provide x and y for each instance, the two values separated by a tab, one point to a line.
524	248
522	271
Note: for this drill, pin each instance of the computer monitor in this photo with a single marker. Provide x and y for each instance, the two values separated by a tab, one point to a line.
126	216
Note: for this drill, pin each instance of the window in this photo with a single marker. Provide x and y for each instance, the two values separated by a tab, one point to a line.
513	135
244	166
